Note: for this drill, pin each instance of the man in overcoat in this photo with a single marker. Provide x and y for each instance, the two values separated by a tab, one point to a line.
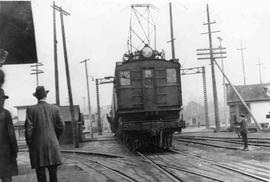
43	128
8	143
244	131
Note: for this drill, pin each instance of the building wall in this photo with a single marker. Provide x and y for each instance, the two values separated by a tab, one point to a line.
259	110
21	113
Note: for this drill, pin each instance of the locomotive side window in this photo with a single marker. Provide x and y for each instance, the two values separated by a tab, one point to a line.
171	75
124	78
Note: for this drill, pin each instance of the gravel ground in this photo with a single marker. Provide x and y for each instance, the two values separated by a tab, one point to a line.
256	160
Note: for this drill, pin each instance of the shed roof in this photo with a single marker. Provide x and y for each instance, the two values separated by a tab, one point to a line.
250	93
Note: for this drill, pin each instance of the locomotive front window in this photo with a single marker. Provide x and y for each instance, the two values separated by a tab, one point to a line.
124	77
171	75
148	73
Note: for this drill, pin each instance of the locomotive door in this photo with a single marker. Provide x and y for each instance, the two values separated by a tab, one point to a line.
148	88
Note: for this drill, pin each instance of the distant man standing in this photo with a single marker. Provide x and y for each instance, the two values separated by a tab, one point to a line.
244	130
8	143
43	128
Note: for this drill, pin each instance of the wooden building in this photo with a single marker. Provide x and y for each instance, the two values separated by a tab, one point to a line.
66	137
257	97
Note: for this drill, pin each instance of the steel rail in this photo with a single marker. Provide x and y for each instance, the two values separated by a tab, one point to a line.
225	166
191	172
172	176
235	141
250	138
115	171
91	153
211	145
186	170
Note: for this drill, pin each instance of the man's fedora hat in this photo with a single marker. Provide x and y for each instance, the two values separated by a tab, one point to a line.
40	92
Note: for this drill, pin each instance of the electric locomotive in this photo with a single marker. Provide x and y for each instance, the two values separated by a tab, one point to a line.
147	99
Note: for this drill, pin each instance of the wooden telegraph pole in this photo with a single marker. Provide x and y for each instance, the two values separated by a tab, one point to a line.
212	58
224	84
88	95
73	122
98	108
260	70
241	49
57	98
213	72
100	81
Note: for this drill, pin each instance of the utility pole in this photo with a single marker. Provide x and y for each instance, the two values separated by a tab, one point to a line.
223	79
213	72
205	98
211	53
73	123
88	95
241	49
36	71
98	108
240	97
198	70
172	37
83	104
260	71
99	81
57	99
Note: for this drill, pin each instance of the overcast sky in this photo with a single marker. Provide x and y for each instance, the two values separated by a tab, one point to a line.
98	29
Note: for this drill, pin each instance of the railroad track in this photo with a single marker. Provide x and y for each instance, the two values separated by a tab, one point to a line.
255	139
93	164
167	168
264	142
161	168
207	144
224	166
253	143
204	140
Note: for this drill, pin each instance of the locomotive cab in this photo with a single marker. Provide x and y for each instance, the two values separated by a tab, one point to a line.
147	99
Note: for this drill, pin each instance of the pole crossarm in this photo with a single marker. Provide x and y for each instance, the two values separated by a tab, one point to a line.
207	53
213	49
191	71
212	58
36	71
217	31
59	8
142	5
213	22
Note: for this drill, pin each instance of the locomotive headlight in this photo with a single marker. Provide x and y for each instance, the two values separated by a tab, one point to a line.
147	51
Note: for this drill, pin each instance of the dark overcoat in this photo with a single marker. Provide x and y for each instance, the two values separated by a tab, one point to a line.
43	127
243	126
8	145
